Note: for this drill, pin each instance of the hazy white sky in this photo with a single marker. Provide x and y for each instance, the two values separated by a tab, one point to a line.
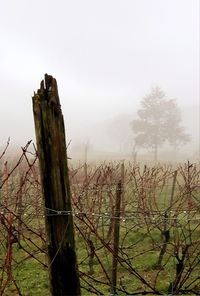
105	55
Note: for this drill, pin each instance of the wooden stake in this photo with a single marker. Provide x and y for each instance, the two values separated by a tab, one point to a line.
51	147
116	238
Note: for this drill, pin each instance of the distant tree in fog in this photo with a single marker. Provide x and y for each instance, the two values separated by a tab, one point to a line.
119	130
159	121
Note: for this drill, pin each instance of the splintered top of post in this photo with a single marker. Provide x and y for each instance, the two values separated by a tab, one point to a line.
48	90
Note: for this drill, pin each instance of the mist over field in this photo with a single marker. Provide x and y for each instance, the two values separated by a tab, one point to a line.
113	208
106	57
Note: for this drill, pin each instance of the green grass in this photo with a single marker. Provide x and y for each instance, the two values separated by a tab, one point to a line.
140	242
32	279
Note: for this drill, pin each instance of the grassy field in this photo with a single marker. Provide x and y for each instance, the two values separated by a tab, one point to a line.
159	246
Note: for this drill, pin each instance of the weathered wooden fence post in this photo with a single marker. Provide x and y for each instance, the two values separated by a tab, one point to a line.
51	147
116	238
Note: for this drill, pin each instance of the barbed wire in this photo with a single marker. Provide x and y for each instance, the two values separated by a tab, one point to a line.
189	215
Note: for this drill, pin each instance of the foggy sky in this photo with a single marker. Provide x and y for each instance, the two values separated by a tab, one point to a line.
106	55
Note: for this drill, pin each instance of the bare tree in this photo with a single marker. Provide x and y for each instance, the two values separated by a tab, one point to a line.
159	121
